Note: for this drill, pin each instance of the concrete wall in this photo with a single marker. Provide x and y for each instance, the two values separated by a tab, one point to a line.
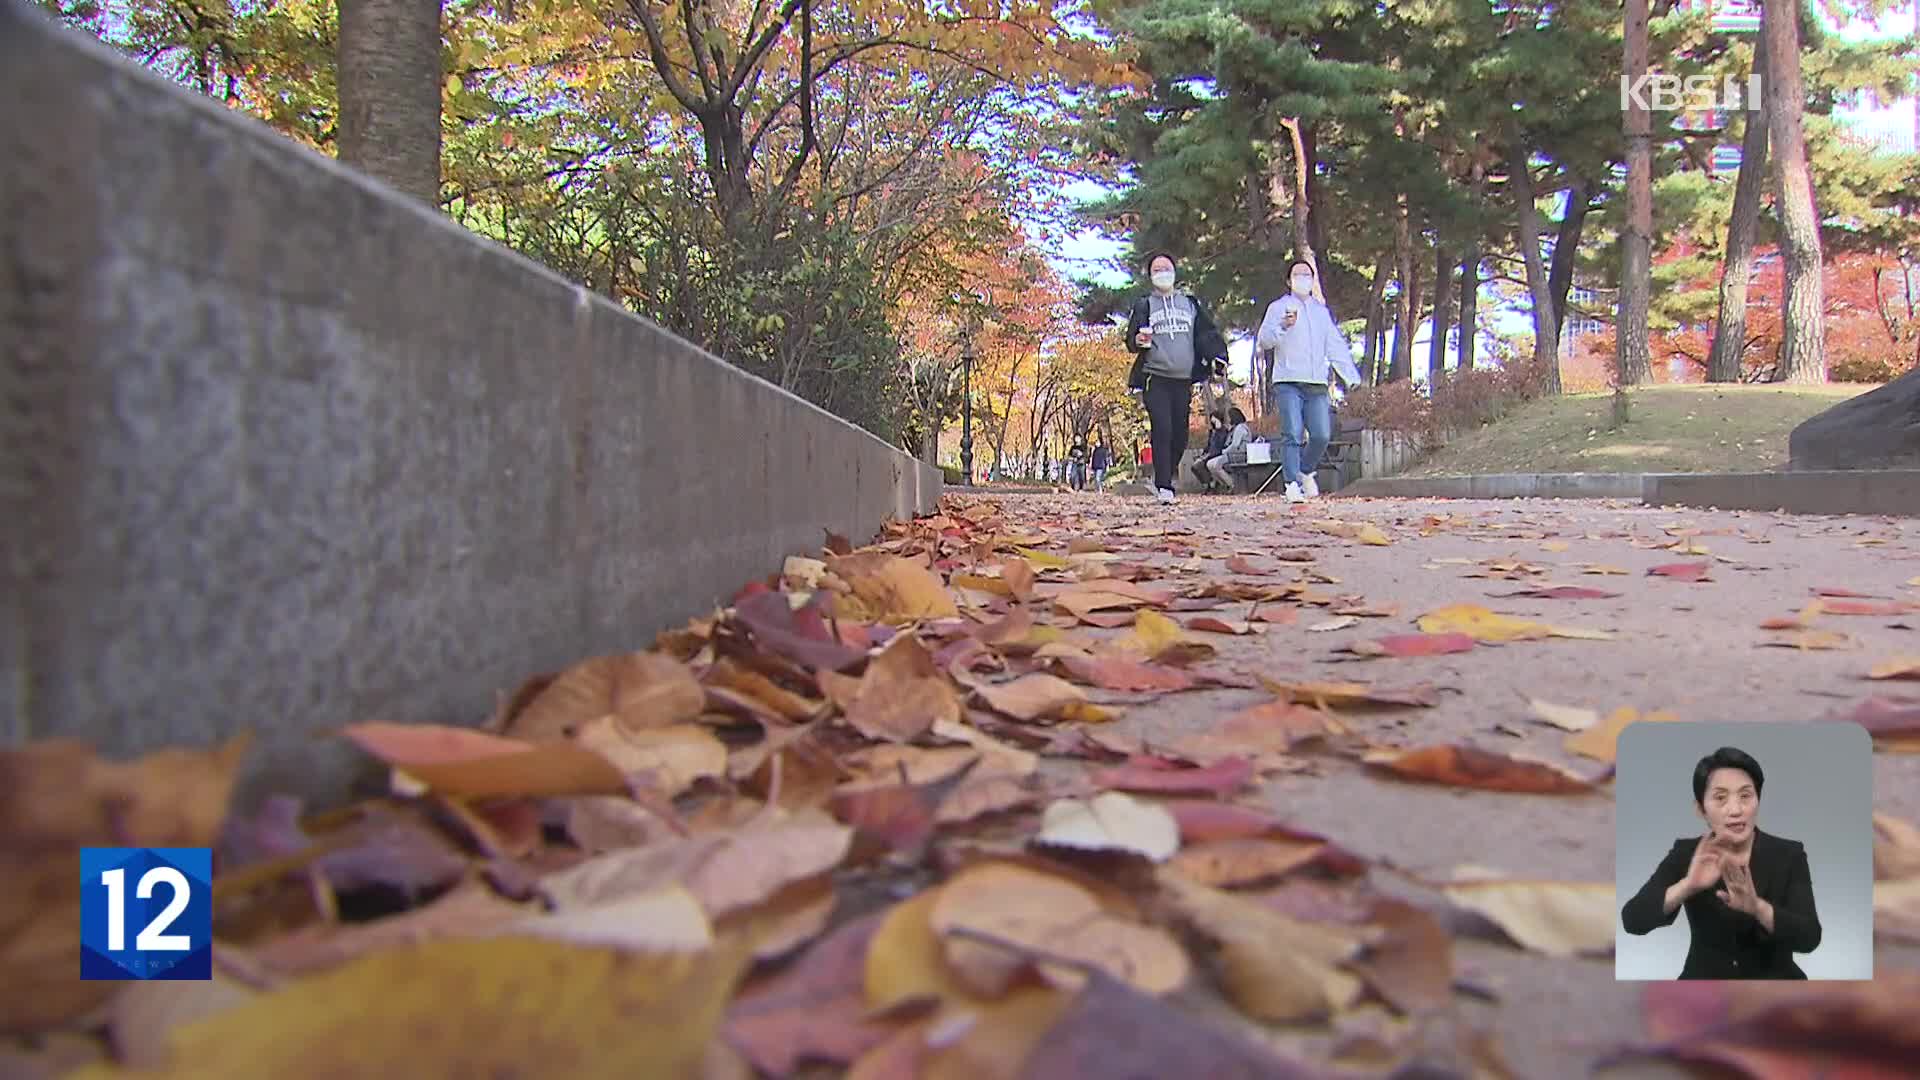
284	450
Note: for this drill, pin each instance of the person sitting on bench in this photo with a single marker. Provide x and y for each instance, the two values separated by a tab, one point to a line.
1237	441
1216	439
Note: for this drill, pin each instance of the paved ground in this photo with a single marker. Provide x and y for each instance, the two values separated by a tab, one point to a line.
1694	649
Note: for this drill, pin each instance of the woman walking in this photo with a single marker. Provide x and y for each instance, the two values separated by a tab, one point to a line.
1175	344
1306	343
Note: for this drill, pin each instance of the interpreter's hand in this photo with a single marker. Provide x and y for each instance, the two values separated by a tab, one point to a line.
1736	889
1704	872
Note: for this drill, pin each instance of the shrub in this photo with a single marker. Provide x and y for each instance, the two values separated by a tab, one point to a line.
1461	401
953	474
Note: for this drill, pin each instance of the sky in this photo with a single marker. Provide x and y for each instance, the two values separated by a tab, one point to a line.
1089	254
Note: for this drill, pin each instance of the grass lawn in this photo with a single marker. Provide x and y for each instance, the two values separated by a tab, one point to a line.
1697	428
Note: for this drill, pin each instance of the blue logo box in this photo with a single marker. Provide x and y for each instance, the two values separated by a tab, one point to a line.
146	913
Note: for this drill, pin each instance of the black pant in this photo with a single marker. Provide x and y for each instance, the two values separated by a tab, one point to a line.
1169	406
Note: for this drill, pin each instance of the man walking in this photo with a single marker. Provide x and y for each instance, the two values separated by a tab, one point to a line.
1305	341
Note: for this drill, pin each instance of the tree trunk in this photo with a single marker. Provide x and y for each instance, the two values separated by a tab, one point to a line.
389	85
1633	361
1470	276
1730	328
1401	366
1303	250
1443	268
1566	246
1803	356
1376	317
1546	330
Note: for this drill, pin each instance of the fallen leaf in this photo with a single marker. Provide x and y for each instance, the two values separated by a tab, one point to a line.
1890	720
814	1010
902	694
889	589
1146	773
462	762
1115	673
1566	717
988	1041
1352	695
1896	910
1482	624
789	706
668	919
977	797
900	816
1857	1030
1403	645
1028	907
144	1015
1331	625
906	961
1796	622
1157	637
1601	741
1209	624
1563	592
671	758
1237	564
1274	726
1904	667
1112	1030
1604	570
1811	640
1274	968
1896	848
1471	767
648	1014
1683	571
1557	918
1111	821
726	871
1018	574
1041	698
1864	607
465	911
800	634
641	689
1248	860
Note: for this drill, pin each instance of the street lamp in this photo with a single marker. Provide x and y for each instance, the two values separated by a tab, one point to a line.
966	397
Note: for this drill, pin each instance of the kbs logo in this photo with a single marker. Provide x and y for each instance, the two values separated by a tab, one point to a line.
146	913
1659	92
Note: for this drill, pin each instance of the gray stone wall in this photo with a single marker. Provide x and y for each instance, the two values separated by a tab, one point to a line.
284	450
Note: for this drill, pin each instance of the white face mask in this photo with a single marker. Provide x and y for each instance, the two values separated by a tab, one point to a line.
1303	286
1163	279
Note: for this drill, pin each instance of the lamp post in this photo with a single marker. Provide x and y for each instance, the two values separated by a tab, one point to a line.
966	398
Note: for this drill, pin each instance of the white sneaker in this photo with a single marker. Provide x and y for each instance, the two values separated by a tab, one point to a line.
1165	495
1294	494
1310	486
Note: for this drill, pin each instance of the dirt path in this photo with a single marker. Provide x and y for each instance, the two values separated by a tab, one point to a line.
1692	648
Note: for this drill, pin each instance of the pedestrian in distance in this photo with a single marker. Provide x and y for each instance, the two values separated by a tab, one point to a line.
1237	440
1175	344
1216	442
1306	343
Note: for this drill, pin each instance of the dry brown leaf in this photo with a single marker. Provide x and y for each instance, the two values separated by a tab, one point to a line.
1348	695
1558	918
726	871
1111	821
57	797
1601	742
902	694
1471	767
886	588
1811	639
461	762
1274	968
671	759
667	919
1482	624
639	690
1041	911
1904	667
1248	860
1331	625
1857	1030
1041	698
744	681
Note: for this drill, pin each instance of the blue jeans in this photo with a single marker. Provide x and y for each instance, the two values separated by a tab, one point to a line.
1306	424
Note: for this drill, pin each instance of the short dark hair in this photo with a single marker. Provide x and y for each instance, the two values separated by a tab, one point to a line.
1726	757
1236	415
1153	256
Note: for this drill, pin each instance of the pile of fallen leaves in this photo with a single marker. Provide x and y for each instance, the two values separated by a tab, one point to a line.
871	817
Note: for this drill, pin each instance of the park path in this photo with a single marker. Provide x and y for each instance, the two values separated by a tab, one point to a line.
1695	649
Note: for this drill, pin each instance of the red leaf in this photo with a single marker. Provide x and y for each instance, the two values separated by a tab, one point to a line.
901	816
1563	592
815	1010
1413	645
1145	773
1885	717
1829	590
1683	571
1203	820
800	635
1112	673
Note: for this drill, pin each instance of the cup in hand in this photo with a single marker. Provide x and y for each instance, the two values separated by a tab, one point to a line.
1145	337
1291	316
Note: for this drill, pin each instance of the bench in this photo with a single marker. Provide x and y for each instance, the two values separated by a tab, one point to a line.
1339	467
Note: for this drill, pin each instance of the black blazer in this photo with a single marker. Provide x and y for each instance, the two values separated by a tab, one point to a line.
1728	944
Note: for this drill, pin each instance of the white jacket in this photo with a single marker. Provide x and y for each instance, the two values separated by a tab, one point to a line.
1304	353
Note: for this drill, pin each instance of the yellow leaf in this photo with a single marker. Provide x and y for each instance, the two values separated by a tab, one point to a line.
1370	534
1601	742
1481	624
887	588
1275	968
1904	667
458	1007
1156	637
1042	559
905	960
1558	918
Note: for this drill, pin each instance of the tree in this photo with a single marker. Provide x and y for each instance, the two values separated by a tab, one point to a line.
1633	364
1743	227
1802	346
390	83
